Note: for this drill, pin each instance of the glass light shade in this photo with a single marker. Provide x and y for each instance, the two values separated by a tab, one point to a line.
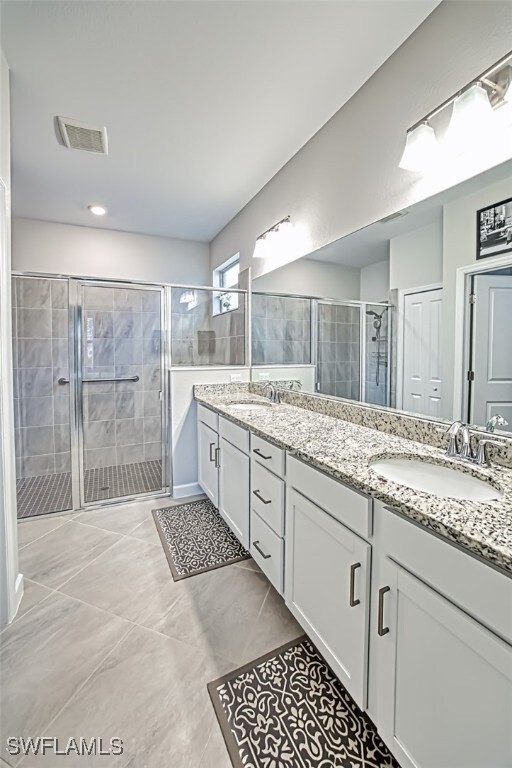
507	96
421	148
261	249
472	118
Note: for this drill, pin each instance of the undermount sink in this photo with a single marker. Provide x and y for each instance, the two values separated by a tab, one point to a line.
436	479
248	405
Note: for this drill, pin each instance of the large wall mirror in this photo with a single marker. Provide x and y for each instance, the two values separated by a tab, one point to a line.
413	312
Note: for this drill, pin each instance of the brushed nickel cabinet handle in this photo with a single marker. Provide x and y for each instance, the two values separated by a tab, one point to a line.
351	599
264	556
381	629
212	458
260	497
217	458
261	455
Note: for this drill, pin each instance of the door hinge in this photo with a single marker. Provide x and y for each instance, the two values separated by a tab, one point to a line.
472	298
471	375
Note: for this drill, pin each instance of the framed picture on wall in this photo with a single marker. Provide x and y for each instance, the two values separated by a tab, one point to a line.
494	229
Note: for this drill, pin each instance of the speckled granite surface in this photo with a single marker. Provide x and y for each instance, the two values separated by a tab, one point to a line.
344	451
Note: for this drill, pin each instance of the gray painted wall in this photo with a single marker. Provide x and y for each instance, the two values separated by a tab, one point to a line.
347	175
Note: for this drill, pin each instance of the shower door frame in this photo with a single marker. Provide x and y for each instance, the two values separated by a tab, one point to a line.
75	381
77	286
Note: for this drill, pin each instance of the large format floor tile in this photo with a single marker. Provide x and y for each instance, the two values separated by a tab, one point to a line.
131	580
56	557
46	655
30	530
275	627
33	593
217	610
161	708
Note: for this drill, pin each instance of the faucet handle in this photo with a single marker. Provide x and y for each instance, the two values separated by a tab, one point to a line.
481	454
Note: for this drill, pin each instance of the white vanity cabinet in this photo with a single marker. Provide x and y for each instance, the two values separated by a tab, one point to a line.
208	454
234	478
327	578
441	680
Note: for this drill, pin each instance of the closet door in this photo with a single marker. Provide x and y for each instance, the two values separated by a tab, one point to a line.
422	384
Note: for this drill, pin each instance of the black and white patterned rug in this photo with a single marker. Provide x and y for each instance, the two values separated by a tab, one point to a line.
288	710
195	538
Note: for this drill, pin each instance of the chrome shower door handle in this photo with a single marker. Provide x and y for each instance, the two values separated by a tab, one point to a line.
62	381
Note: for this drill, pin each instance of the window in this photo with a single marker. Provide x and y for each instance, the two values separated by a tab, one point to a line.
225	277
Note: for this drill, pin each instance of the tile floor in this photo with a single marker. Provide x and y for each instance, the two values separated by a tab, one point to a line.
52	493
107	644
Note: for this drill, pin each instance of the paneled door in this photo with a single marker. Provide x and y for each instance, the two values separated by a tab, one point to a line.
491	389
120	390
422	334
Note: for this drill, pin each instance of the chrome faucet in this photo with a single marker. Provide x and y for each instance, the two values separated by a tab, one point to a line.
465	453
496	421
273	393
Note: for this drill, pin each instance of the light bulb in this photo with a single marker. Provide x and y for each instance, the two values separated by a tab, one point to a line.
260	249
98	210
421	148
471	120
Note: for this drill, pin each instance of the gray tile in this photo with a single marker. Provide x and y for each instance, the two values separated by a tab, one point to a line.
100	352
128	351
152	430
35	411
36	441
99	434
147	531
30	530
150	301
128	371
59	555
275	626
61	409
99	407
53	634
60	323
34	353
33	292
35	382
96	297
127	325
216	754
130	454
63	462
152	404
60	353
129	405
151	692
98	457
150	324
59	294
152	451
152	377
151	349
34	323
33	594
128	299
31	466
217	611
62	438
98	324
119	520
129	431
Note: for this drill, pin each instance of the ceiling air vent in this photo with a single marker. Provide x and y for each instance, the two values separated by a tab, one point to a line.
88	138
393	216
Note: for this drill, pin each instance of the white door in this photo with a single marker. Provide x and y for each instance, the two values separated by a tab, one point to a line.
422	324
491	390
444	682
208	443
234	490
327	570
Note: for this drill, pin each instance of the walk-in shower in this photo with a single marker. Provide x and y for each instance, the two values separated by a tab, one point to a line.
378	361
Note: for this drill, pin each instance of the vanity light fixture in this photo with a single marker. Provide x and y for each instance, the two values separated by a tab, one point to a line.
98	210
471	120
271	239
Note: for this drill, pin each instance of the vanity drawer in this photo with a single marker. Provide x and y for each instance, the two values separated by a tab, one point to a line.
267	497
208	417
270	456
267	550
237	436
350	507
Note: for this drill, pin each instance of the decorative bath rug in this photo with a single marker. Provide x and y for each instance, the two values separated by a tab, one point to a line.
196	539
288	709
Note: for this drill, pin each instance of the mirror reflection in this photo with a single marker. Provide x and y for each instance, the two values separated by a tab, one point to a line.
413	312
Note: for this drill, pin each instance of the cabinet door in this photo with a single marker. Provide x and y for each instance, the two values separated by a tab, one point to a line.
327	570
234	490
444	681
208	473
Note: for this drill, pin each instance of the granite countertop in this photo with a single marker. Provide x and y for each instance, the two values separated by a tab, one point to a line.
344	450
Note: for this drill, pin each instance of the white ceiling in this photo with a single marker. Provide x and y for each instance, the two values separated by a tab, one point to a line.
203	101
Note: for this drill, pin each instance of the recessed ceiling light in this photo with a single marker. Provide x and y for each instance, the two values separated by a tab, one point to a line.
98	210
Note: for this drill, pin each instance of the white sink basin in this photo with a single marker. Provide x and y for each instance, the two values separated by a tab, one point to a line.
248	406
435	479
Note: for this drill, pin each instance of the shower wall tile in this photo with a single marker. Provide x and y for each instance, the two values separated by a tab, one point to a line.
35	382
129	431
36	441
33	292
62	438
98	324
152	377
100	352
151	301
60	352
97	297
63	462
35	411
130	454
129	405
152	404
60	323
99	434
98	457
59	294
61	409
150	323
31	466
281	330
99	407
152	430
34	353
127	325
152	451
33	323
128	299
128	351
129	371
151	349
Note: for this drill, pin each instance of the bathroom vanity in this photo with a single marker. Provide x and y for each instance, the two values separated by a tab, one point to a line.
407	595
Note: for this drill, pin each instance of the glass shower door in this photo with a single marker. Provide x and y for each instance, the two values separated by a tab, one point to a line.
120	390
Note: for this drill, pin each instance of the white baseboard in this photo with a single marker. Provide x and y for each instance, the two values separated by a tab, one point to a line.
18	595
189	489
